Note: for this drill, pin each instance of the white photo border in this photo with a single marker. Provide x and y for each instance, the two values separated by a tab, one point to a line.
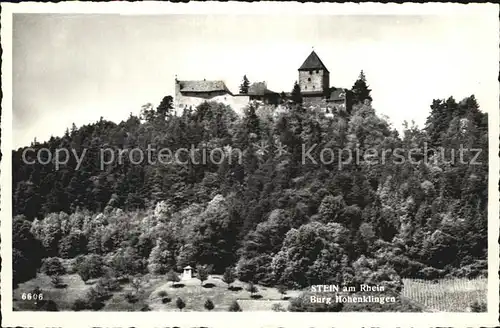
248	319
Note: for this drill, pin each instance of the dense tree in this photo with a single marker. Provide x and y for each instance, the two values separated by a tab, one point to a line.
360	89
49	232
245	84
127	262
27	252
73	245
251	121
331	208
90	267
314	253
228	277
52	266
213	237
283	97
159	259
258	211
166	106
296	95
201	273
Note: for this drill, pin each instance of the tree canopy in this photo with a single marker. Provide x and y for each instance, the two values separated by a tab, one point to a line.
275	219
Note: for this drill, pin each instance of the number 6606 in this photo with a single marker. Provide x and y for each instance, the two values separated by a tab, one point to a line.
30	296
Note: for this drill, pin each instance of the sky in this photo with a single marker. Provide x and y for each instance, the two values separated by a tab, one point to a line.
75	68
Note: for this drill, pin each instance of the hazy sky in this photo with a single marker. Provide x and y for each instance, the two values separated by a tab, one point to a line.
76	68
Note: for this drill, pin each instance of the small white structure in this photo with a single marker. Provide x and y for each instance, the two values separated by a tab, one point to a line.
187	274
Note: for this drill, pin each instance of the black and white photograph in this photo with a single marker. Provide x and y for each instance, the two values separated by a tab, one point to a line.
203	159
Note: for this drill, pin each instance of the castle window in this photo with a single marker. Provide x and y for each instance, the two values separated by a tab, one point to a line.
309	79
314	87
305	87
317	71
310	72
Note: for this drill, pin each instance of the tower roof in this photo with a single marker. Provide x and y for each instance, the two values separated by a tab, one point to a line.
313	62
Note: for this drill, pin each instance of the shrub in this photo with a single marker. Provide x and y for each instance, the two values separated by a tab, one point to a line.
145	308
166	300
109	284
131	297
90	267
79	305
162	293
234	307
209	305
228	277
56	281
128	262
180	303
278	308
102	292
478	306
53	267
95	297
202	274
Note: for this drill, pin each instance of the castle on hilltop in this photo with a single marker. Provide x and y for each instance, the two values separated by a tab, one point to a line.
314	83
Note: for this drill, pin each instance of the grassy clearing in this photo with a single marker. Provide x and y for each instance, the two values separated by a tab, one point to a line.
449	295
64	297
118	301
190	291
194	295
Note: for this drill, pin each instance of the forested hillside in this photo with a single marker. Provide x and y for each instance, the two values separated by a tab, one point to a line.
275	219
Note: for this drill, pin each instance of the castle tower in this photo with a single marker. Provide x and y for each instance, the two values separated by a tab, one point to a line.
314	77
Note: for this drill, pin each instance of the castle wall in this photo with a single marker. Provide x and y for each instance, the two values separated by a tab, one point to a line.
320	104
319	81
238	104
186	100
313	101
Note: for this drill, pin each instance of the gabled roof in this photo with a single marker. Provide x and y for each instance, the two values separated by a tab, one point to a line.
313	62
203	86
259	89
337	94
